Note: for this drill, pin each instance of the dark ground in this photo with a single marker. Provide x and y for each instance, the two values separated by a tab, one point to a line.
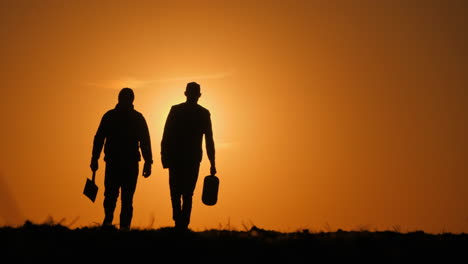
56	243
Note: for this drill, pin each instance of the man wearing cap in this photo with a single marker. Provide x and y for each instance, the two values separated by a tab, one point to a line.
181	151
124	132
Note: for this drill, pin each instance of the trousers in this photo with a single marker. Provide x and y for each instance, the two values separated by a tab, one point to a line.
120	178
182	181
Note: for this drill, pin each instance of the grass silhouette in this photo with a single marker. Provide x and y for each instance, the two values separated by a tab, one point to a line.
55	242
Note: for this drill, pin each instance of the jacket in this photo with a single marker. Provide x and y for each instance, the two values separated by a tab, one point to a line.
185	126
123	131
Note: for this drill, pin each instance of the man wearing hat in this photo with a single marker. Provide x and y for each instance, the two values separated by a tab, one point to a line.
182	151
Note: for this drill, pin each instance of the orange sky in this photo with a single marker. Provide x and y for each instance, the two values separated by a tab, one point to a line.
326	114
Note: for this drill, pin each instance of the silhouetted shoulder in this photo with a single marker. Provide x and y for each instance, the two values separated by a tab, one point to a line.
107	117
115	116
110	112
203	109
137	113
182	107
114	111
177	106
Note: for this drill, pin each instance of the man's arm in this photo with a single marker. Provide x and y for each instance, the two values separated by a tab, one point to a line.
145	146
98	143
210	146
166	139
145	142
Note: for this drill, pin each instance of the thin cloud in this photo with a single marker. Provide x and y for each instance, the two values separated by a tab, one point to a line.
139	83
119	83
197	77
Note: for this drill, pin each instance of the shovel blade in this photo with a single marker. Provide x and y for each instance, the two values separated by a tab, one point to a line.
90	190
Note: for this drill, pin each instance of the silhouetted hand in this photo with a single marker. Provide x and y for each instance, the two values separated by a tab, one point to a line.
147	170
94	165
213	170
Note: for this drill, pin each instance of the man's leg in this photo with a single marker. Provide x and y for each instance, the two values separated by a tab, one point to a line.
111	193
129	176
186	210
176	195
190	181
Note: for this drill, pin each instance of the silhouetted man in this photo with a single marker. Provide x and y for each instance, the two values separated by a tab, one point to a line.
123	131
181	151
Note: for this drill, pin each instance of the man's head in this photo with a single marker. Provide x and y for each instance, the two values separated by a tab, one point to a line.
192	91
126	96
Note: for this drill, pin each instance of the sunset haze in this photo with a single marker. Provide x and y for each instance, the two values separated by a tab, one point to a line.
326	114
